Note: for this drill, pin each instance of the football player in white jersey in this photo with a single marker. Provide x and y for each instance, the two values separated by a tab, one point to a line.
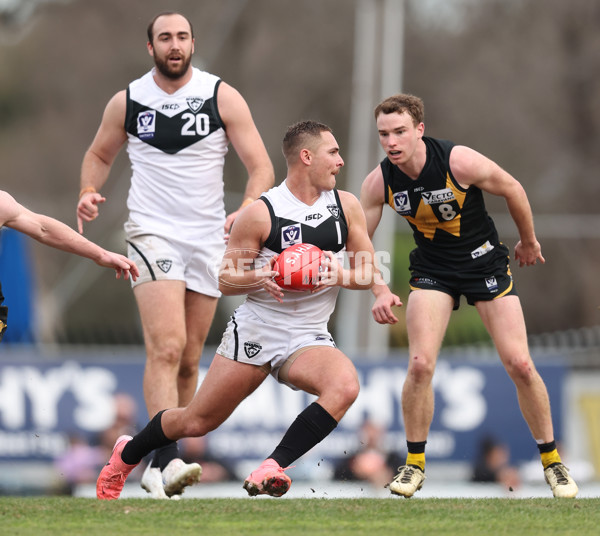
266	337
56	234
177	122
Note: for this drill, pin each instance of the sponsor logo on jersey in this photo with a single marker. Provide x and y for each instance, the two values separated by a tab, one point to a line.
491	284
290	235
164	264
252	348
310	217
335	211
482	250
146	124
194	103
438	196
402	202
172	106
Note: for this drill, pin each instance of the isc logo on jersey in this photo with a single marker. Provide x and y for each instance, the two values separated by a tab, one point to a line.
146	124
438	196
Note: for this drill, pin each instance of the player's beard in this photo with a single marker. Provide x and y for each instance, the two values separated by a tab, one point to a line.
163	67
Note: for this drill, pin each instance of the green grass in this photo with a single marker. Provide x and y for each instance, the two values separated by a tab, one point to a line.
295	517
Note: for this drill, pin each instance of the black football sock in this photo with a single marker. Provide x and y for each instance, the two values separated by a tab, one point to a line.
310	427
165	455
150	438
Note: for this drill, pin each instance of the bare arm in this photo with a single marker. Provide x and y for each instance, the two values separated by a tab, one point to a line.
60	236
99	158
237	274
248	144
472	168
372	199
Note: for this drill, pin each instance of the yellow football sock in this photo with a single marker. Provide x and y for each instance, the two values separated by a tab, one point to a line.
548	458
416	459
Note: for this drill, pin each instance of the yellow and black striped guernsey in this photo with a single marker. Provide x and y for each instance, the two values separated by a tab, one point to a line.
451	226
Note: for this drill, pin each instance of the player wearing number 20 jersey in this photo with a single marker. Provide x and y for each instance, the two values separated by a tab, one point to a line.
177	147
456	238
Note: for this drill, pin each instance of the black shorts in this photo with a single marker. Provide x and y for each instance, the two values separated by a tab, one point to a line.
486	285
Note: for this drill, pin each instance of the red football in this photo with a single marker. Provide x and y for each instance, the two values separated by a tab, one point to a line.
298	266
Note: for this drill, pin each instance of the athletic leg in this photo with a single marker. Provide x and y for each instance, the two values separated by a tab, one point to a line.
327	373
427	316
199	313
504	321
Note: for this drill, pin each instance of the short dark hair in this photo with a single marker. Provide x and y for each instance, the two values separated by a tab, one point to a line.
150	29
402	102
300	135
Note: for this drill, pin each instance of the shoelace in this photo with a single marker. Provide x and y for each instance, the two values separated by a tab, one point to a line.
407	476
559	473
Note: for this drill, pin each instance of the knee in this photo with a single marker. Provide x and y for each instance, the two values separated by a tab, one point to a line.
421	368
168	350
521	370
347	391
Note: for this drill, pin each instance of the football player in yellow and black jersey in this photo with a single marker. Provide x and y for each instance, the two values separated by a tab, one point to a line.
438	187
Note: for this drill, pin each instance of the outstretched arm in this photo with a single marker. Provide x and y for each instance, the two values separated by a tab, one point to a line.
248	144
99	158
56	234
372	200
472	168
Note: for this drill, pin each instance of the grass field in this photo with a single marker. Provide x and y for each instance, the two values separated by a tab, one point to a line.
298	517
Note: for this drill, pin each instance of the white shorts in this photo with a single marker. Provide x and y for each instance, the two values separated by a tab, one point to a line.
248	339
160	259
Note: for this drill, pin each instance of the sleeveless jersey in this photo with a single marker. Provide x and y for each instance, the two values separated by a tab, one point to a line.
292	222
177	146
450	224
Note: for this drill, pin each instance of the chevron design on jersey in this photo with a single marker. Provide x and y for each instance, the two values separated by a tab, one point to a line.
428	221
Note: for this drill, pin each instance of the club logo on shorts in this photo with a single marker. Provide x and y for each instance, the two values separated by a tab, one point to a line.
252	349
492	284
146	124
164	264
290	235
335	211
195	103
402	202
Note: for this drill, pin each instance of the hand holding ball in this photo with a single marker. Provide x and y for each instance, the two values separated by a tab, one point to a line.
298	267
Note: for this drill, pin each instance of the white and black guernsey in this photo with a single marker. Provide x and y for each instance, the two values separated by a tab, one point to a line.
322	224
177	145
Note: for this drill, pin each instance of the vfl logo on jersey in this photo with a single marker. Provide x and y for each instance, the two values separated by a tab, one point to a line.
482	250
146	124
335	211
251	349
164	264
491	284
290	235
195	103
402	203
438	196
